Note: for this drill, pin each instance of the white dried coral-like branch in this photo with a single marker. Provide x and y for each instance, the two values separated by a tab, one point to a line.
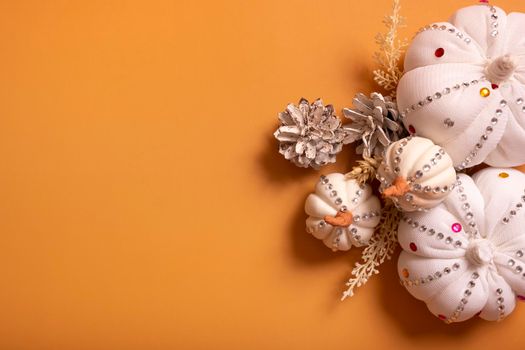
390	51
380	249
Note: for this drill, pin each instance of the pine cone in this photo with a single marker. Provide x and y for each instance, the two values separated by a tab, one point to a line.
375	124
310	135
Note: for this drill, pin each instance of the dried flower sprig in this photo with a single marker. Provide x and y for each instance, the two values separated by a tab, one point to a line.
365	170
390	51
380	248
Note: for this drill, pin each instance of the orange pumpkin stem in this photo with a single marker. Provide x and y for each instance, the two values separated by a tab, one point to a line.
398	188
342	219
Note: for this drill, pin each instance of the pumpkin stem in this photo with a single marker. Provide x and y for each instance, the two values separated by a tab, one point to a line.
398	188
501	69
342	219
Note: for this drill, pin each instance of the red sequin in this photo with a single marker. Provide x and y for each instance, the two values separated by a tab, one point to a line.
439	52
411	129
442	317
521	298
456	227
413	246
495	86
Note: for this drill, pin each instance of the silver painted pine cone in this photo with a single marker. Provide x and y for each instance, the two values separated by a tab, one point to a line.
310	135
375	124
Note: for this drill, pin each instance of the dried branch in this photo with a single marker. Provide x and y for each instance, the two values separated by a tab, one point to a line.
390	51
365	171
380	249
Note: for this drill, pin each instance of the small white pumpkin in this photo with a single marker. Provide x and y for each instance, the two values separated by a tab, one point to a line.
464	86
342	212
467	256
416	174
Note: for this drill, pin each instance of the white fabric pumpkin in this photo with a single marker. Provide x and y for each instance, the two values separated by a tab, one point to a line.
464	86
342	212
416	174
466	256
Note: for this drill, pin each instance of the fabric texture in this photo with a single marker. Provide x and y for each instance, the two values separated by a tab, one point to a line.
466	256
450	93
334	193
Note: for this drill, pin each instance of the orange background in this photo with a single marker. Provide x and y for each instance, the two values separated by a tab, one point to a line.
143	204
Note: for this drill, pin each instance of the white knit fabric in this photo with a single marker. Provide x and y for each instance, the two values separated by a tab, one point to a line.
466	256
334	193
441	96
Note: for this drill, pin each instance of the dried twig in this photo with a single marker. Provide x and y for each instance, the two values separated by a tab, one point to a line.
365	171
390	50
380	248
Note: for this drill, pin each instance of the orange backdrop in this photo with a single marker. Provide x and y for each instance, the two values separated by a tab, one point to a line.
143	204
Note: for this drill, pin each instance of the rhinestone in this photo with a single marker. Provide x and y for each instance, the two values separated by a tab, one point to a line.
511	262
503	103
448	123
357	218
513	212
467	40
494	33
419	174
429	189
338	201
463	301
397	170
438	274
426	168
437	95
399	150
469	216
322	224
471	284
440	236
431	232
519	253
457	244
519	101
344	208
455	267
324	180
446	270
446	91
494	121
506	220
423	228
353	231
448	240
501	307
519	269
467	293
333	193
397	160
499	112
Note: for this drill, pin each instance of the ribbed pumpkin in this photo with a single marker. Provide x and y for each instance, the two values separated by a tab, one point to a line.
466	257
464	86
342	212
416	174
